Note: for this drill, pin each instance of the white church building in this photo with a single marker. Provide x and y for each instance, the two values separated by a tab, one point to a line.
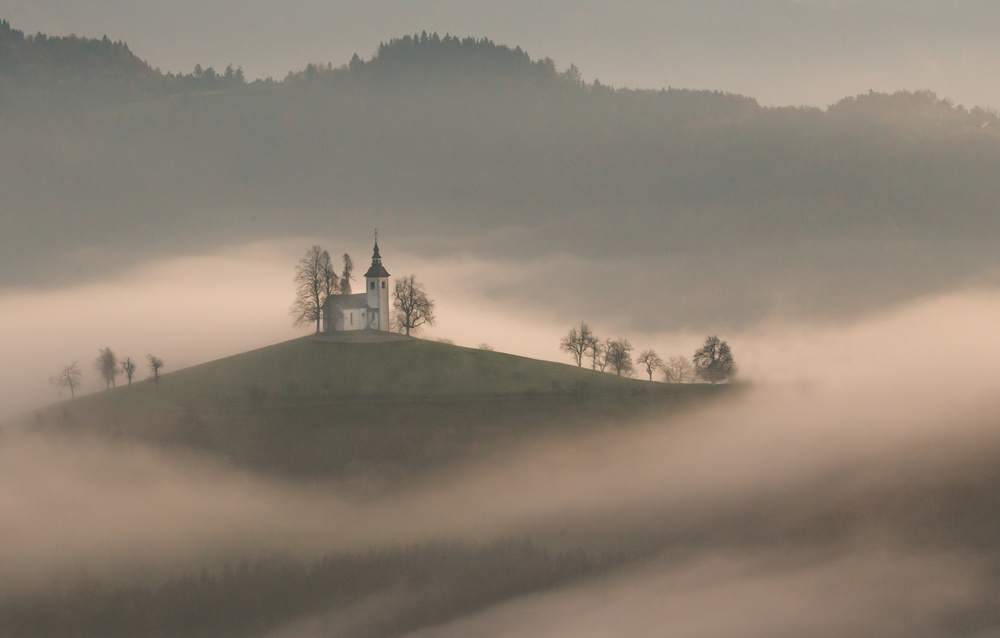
364	310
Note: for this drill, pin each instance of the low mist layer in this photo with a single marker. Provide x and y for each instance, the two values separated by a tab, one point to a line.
856	487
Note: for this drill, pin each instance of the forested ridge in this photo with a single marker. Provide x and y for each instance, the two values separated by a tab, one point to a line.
411	587
464	144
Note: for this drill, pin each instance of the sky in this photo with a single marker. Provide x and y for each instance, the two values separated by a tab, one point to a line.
782	52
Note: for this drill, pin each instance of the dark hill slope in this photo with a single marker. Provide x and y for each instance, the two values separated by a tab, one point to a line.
71	65
310	407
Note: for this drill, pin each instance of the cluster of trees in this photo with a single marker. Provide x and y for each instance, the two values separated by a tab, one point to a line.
315	281
712	362
416	586
208	79
110	367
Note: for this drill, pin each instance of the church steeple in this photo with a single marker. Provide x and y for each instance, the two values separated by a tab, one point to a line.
377	270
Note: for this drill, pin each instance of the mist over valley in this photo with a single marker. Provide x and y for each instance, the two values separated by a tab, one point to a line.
473	480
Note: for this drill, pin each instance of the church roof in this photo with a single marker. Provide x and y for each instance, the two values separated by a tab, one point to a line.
349	302
376	270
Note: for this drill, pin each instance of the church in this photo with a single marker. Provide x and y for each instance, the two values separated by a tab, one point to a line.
364	310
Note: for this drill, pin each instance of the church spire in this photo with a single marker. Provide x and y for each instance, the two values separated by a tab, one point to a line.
377	270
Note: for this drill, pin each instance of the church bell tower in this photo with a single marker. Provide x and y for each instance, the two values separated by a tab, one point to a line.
377	287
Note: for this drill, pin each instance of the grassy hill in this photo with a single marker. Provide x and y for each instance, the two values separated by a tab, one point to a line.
316	407
315	369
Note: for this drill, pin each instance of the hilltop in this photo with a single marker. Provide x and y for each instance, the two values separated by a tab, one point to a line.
320	407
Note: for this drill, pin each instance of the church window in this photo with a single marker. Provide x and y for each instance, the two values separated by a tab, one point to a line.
383	285
372	285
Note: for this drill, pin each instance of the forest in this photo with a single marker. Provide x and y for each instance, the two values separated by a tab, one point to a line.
413	587
465	144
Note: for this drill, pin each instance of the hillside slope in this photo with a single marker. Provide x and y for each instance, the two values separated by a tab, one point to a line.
312	407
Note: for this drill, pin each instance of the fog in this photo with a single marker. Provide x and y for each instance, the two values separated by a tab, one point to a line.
845	486
872	592
850	490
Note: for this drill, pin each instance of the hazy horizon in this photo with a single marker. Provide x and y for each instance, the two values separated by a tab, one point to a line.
780	52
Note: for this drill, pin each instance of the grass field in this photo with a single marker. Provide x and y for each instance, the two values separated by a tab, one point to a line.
312	407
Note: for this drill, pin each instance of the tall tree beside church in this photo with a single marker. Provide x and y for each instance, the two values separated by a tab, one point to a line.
315	280
412	306
345	277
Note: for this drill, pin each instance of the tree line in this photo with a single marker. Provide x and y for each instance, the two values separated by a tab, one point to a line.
420	585
110	367
712	362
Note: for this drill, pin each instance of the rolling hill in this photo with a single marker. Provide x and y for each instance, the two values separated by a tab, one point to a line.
318	406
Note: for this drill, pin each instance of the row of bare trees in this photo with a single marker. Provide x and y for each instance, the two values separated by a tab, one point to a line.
713	362
110	368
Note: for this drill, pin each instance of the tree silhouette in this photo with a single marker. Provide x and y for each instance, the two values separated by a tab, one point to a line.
714	360
315	281
155	363
412	306
345	277
128	368
678	370
107	364
68	378
619	356
649	360
577	342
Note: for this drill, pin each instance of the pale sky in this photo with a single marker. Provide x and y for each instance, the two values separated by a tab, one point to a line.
778	51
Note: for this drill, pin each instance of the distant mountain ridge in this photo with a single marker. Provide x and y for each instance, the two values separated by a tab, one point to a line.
733	212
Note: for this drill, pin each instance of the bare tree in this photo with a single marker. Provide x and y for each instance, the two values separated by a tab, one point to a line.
68	378
649	360
315	280
107	364
577	342
345	277
619	356
155	363
485	346
412	307
128	368
678	370
598	354
714	360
